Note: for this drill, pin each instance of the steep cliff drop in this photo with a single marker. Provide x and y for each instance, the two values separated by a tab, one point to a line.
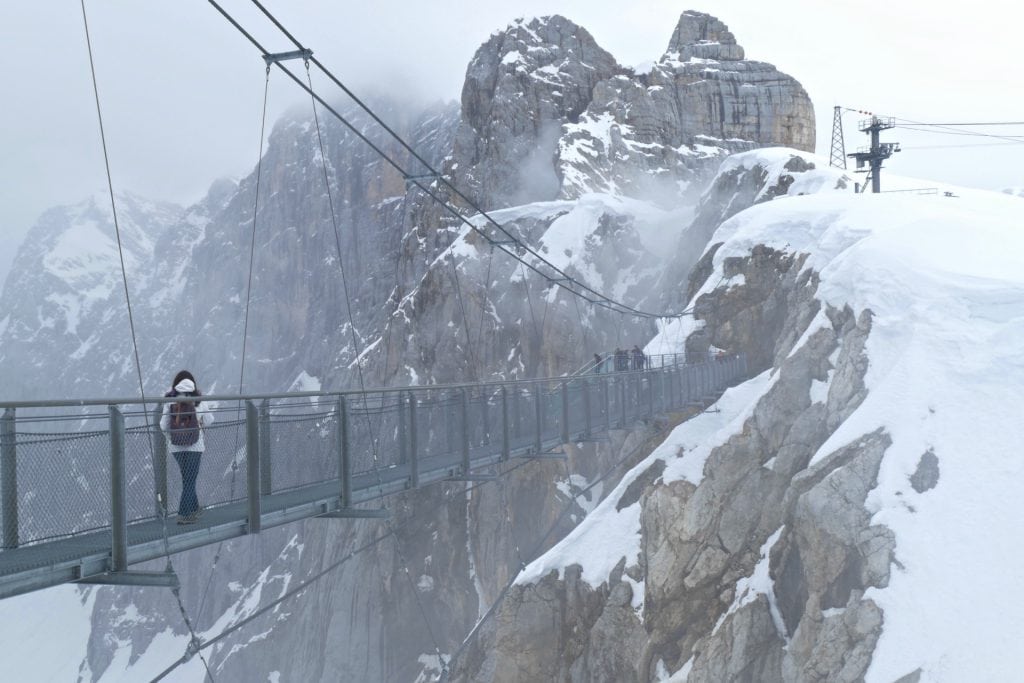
832	517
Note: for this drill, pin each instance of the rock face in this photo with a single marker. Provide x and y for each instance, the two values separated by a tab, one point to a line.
601	166
521	87
754	569
759	503
69	287
652	130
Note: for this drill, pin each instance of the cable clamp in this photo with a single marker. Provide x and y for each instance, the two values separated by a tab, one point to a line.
273	58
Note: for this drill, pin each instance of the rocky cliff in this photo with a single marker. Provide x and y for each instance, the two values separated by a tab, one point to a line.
798	532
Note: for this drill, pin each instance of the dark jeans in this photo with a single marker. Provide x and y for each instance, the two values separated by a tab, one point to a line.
188	463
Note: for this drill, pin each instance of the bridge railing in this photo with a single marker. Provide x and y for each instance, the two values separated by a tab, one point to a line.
608	362
72	467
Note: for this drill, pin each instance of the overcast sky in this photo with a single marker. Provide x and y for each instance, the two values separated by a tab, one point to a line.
181	90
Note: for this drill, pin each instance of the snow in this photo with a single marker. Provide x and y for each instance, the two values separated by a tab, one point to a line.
672	334
944	280
758	583
644	68
692	441
597	544
43	652
822	178
511	57
306	382
607	535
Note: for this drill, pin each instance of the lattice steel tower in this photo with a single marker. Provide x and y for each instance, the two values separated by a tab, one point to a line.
837	159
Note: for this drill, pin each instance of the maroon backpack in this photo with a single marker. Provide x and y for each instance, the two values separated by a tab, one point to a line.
184	423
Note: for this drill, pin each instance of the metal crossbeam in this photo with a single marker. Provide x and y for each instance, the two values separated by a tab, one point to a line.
356	513
274	58
126	578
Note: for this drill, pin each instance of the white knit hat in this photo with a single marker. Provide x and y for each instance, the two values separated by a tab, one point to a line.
185	386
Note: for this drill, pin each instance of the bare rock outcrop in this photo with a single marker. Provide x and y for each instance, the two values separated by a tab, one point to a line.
656	131
755	570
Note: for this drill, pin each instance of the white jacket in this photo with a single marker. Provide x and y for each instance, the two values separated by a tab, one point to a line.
205	418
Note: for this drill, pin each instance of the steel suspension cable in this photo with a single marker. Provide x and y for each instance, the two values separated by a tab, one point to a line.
359	368
245	331
113	206
293	592
535	552
560	278
483	304
131	320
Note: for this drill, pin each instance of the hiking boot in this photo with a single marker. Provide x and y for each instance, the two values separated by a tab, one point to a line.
190	519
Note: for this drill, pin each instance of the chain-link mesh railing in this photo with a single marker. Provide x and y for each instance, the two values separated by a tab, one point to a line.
56	460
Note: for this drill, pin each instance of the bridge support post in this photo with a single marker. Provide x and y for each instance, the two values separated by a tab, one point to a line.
649	379
538	414
118	511
670	378
344	462
252	466
464	396
403	435
506	447
565	412
517	411
266	481
622	401
587	426
159	463
414	461
9	478
664	388
485	416
606	400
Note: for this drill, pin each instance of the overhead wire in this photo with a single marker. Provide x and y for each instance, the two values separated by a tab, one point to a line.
359	369
559	277
245	332
311	580
976	144
962	133
538	547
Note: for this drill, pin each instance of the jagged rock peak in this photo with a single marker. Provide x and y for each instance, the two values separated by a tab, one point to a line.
703	36
521	86
552	49
546	31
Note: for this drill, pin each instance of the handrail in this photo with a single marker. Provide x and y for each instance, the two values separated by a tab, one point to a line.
90	504
331	395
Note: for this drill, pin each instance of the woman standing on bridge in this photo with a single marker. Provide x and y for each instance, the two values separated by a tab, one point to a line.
183	424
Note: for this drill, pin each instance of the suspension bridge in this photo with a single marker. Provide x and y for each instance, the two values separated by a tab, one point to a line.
84	484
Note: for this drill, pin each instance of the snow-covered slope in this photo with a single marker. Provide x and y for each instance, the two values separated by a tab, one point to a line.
850	511
64	295
944	281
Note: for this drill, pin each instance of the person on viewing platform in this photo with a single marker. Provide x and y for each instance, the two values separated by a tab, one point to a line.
597	363
639	361
183	422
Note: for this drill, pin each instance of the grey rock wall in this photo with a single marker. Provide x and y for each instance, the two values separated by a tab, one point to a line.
700	540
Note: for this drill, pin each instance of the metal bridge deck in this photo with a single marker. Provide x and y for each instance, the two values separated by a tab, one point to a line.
353	454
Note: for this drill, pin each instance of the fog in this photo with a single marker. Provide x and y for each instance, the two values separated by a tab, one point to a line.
181	90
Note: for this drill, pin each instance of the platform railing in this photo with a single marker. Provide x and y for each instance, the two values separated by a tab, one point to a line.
74	467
